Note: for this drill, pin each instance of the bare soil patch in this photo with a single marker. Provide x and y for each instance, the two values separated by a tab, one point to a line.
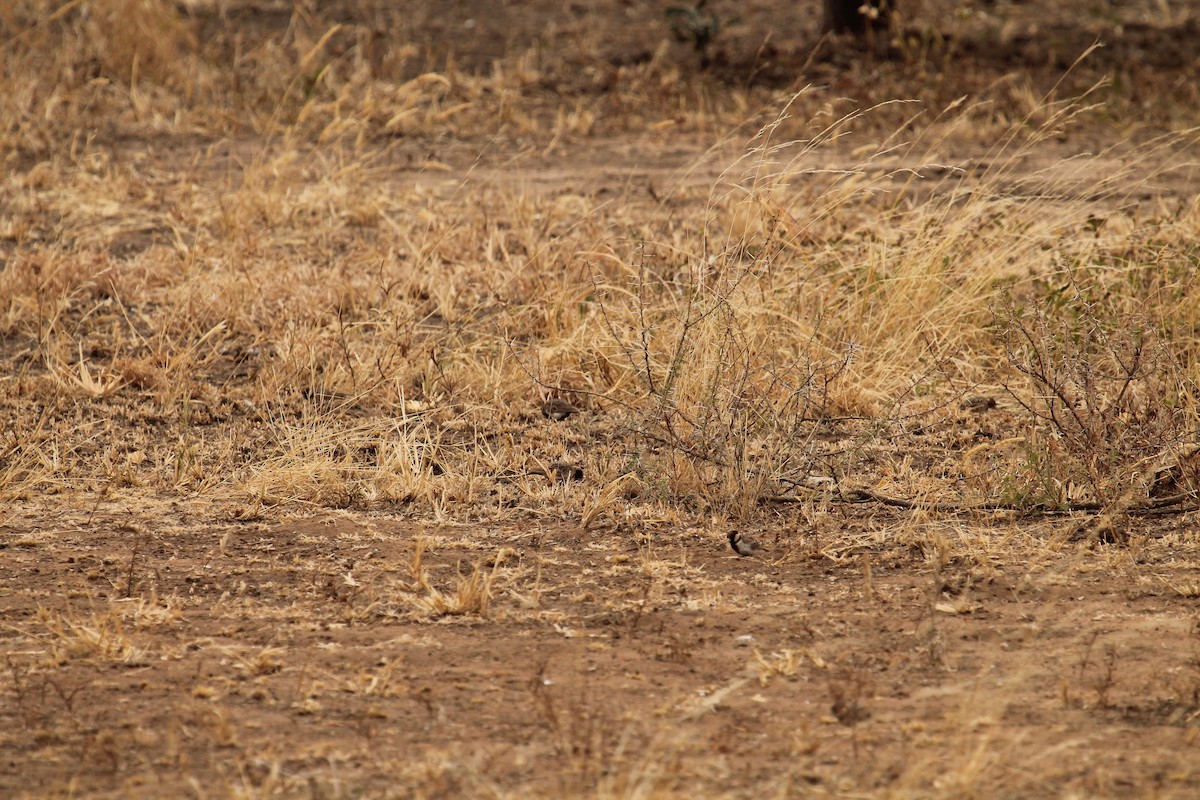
286	658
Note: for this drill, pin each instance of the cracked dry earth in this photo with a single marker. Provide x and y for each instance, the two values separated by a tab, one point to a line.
350	655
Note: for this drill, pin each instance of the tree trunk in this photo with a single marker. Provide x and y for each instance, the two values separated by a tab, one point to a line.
857	16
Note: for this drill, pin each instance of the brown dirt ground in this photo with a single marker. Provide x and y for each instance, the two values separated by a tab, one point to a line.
200	655
282	657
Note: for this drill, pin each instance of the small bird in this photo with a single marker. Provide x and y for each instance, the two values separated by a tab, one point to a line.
558	409
978	404
743	545
560	470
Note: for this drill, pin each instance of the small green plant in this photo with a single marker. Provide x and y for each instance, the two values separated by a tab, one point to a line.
695	25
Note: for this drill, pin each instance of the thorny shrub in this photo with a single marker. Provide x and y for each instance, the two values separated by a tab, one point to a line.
1111	406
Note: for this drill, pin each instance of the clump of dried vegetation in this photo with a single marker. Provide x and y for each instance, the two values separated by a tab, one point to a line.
293	323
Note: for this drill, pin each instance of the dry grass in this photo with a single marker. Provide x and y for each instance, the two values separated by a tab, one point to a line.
258	268
391	343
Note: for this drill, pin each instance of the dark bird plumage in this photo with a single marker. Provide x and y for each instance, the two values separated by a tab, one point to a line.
558	409
744	545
